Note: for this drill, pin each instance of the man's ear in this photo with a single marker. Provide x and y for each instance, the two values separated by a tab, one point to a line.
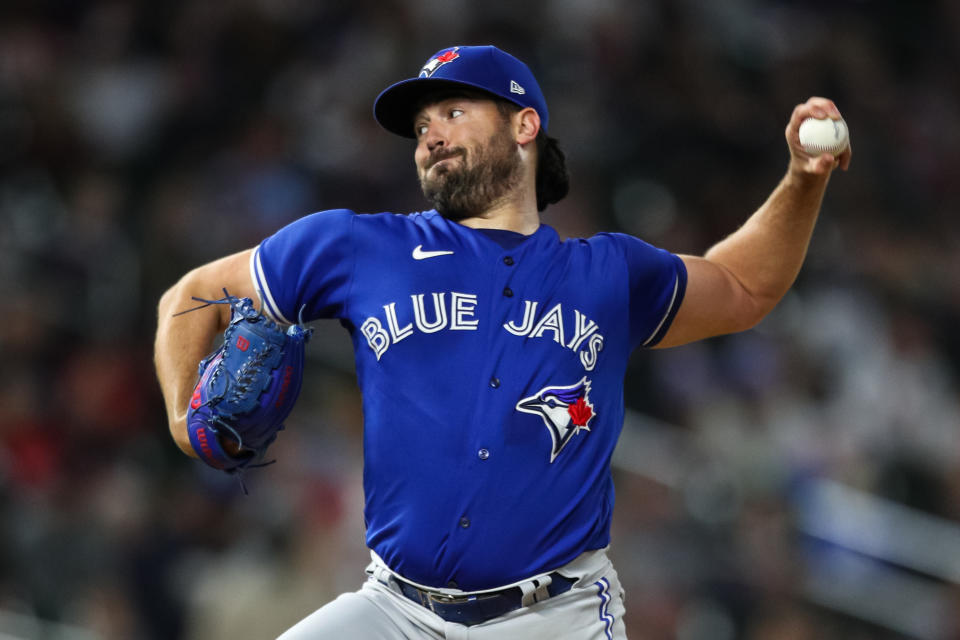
526	125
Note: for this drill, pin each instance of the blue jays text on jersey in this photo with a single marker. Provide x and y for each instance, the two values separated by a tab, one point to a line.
492	378
462	316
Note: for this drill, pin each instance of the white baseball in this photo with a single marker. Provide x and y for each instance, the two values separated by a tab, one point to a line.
823	136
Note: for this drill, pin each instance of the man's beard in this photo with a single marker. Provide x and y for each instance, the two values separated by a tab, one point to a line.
466	191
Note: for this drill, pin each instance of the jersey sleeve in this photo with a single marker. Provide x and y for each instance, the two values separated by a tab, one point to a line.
305	269
658	281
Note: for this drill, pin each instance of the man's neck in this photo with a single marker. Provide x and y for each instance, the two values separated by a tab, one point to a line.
520	216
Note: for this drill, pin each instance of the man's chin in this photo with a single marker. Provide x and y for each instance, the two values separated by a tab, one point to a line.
441	187
433	179
442	171
447	206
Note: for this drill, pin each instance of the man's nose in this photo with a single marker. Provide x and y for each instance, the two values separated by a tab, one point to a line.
434	143
435	137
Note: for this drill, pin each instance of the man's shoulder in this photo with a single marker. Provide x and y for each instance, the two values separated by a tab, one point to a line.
387	224
398	219
602	240
613	245
615	239
330	219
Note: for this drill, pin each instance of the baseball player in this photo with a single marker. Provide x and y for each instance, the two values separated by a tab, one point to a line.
490	355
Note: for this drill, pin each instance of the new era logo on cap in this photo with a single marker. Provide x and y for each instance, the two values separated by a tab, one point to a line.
486	68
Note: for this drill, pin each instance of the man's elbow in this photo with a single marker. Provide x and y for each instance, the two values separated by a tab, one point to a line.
755	309
166	300
180	293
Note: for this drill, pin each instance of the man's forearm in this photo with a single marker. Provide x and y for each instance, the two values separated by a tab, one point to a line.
184	340
767	252
181	343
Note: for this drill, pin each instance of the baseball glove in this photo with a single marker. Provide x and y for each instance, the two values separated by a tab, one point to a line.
246	388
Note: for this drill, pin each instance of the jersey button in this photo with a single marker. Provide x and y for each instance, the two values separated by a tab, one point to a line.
507	291
483	454
494	382
464	522
508	261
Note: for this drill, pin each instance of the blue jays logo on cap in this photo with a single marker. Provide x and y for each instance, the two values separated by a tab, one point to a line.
437	61
565	411
484	68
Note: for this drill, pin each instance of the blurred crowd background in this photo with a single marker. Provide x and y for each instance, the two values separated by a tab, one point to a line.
798	481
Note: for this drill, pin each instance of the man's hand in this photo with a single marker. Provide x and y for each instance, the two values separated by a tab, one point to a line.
802	162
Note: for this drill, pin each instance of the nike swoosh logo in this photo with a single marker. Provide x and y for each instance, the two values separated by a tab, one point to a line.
420	254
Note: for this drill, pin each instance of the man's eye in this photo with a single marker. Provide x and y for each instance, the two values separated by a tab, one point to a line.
420	129
456	113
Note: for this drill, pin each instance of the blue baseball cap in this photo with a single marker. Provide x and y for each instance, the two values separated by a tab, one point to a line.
486	68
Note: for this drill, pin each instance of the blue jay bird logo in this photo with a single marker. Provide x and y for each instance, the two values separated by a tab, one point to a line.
565	410
438	61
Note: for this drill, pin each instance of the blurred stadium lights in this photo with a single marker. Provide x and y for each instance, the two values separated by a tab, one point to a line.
880	529
864	556
883	595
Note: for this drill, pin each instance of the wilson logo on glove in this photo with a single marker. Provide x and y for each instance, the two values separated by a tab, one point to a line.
204	442
287	377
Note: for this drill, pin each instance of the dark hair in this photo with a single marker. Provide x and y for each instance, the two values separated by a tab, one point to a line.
553	179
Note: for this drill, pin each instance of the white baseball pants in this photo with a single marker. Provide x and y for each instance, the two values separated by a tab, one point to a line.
591	610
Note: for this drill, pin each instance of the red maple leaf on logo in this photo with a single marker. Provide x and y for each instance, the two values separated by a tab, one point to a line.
448	56
580	412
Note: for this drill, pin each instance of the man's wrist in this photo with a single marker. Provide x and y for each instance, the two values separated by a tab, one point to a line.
800	177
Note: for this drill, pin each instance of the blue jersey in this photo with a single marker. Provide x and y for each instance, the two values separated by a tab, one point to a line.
492	379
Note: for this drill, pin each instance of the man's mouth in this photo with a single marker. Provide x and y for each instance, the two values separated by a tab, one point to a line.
439	158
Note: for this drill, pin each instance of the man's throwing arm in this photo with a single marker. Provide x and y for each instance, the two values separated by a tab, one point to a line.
743	277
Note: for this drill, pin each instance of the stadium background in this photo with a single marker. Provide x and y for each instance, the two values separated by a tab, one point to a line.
798	481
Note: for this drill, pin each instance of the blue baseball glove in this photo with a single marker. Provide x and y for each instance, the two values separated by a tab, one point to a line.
247	388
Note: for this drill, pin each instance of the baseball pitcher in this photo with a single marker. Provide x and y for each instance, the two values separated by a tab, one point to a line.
490	354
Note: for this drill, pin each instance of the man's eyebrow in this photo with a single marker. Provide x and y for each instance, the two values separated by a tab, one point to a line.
443	96
420	115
